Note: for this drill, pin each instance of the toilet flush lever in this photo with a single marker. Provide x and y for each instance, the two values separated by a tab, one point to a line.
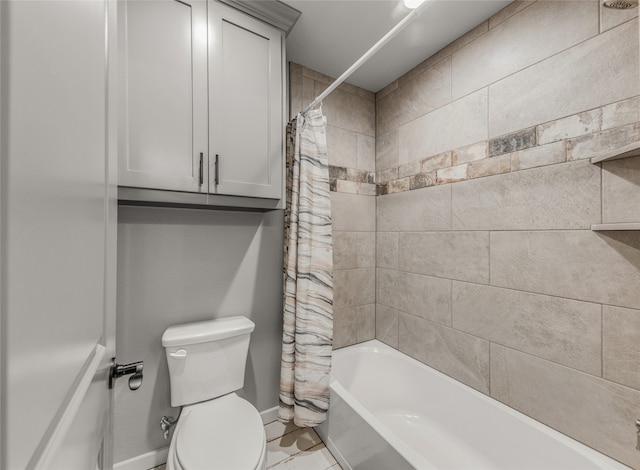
134	369
179	354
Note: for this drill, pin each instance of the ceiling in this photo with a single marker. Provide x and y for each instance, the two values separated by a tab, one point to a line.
331	35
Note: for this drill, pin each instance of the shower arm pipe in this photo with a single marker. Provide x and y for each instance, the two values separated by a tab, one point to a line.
367	55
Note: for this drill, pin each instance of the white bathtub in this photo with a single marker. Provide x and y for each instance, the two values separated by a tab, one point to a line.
389	411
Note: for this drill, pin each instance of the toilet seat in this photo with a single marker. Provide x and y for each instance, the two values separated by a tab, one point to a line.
225	433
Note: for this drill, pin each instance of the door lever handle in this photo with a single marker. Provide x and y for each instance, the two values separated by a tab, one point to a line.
134	370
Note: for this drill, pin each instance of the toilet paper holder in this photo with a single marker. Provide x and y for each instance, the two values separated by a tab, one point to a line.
119	370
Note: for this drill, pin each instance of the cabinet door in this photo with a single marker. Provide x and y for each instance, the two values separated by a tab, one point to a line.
245	111
163	70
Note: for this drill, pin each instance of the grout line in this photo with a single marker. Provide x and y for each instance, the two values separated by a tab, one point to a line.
300	450
375	253
282	435
501	344
451	206
509	75
602	341
578	371
489	259
420	317
316	448
468	180
601	166
504	230
488	128
489	377
450	74
601	129
510	16
561	51
451	304
555	296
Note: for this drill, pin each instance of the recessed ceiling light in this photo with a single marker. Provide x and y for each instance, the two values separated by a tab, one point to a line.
413	4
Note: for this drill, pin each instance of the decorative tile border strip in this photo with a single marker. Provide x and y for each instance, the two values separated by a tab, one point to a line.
513	142
352	181
571	138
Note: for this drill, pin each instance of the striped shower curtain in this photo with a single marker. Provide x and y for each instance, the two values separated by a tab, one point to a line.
308	275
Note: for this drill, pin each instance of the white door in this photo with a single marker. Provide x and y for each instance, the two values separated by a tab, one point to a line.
57	233
245	111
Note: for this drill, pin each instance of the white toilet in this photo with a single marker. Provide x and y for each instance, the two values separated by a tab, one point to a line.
217	429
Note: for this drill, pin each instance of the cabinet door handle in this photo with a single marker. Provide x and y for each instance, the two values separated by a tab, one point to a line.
217	179
201	169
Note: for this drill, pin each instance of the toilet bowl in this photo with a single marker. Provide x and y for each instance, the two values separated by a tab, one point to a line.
225	433
216	430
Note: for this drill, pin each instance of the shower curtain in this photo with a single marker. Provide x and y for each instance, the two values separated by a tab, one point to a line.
308	275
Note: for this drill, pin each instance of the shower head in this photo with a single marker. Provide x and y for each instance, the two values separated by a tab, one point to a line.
621	4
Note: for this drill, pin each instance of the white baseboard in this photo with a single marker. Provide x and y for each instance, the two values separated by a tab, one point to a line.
144	461
270	415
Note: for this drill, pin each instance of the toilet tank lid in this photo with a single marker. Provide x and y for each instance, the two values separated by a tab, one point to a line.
204	331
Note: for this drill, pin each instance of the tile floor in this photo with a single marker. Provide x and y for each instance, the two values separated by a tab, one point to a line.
292	448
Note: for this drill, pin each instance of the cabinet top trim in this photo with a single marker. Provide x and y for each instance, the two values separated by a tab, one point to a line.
272	12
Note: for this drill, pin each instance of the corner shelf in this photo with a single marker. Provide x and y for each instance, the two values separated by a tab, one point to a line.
616	226
628	151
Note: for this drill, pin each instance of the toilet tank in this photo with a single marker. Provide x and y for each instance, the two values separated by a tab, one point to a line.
206	359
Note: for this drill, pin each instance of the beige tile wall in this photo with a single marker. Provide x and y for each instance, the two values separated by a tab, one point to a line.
486	265
350	114
476	257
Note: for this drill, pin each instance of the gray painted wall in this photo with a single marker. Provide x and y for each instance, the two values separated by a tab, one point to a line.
177	266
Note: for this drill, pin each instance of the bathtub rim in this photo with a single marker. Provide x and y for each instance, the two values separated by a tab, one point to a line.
417	460
404	449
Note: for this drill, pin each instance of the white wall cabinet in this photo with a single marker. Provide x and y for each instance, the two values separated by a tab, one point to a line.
201	99
163	90
245	105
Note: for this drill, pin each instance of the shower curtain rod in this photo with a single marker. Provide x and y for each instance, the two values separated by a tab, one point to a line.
367	55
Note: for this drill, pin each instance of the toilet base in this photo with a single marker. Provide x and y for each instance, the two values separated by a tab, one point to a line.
192	428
